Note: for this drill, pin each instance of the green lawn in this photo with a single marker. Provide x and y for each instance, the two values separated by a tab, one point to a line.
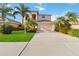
16	36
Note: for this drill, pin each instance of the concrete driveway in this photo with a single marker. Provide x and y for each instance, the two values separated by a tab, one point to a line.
52	44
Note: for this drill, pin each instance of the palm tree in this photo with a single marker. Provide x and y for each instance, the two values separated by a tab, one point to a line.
5	11
58	23
22	10
71	16
62	25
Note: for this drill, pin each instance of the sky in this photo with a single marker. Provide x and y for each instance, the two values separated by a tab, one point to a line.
55	9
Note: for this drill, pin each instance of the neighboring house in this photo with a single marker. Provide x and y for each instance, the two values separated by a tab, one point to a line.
75	25
11	22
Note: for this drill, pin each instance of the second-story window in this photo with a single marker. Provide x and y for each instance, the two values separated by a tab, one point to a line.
43	16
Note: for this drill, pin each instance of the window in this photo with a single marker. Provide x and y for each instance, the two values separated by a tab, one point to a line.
43	16
34	16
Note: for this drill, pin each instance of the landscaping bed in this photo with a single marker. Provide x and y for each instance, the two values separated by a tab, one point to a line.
16	36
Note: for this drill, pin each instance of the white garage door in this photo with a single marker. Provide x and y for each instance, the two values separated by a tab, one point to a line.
45	26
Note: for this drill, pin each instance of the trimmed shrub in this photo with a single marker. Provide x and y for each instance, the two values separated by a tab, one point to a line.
31	25
7	29
74	32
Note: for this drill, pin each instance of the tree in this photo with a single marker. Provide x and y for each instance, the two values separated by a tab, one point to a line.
22	10
62	25
71	16
5	11
58	23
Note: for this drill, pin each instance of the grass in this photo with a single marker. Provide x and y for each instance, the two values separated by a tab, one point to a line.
74	32
16	36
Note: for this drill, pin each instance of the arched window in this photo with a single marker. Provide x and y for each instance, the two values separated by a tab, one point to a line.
34	16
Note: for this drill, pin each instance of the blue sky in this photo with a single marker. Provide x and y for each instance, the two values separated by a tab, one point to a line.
55	9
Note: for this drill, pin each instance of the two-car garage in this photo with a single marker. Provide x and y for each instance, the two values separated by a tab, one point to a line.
45	26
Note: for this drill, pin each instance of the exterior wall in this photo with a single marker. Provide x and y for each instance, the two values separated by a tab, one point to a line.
44	17
75	26
40	17
1	22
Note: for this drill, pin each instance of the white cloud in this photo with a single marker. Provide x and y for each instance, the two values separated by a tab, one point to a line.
72	3
40	4
54	17
39	8
9	5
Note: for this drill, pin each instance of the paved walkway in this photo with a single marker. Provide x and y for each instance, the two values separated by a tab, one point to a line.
11	48
52	44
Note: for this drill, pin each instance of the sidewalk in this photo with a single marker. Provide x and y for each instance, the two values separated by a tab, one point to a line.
52	44
11	48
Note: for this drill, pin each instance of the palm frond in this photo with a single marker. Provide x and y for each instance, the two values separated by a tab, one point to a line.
12	15
16	12
22	10
17	8
71	16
